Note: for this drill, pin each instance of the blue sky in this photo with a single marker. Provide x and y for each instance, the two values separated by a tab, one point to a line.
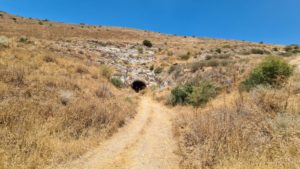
270	21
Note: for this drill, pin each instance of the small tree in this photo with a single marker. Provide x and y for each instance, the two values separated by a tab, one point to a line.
147	43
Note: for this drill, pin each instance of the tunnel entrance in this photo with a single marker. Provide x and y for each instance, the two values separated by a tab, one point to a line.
138	85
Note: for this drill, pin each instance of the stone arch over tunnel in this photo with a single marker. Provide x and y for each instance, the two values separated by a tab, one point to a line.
138	85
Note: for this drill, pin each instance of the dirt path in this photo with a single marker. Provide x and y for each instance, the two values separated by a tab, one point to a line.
145	143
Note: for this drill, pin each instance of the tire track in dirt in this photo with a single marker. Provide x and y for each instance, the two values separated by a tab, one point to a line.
145	143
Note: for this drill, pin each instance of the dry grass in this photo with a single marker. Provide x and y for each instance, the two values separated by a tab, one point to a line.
250	130
52	108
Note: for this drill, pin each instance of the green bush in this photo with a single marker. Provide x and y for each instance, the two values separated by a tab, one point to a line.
117	82
273	71
180	94
147	43
196	95
202	93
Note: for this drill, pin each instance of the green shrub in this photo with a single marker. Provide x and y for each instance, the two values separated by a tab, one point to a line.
180	94
273	71
158	70
202	93
117	82
196	95
147	43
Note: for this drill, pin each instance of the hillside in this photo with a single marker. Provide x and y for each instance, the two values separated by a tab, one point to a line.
66	98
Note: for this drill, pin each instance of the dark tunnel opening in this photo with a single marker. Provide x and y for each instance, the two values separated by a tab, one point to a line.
138	85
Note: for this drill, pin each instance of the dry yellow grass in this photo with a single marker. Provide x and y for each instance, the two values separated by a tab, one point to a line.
257	130
56	104
54	108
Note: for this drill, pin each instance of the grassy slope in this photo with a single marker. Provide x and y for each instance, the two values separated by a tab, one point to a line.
54	107
52	97
259	130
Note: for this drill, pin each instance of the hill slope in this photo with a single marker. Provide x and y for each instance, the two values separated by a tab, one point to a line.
65	89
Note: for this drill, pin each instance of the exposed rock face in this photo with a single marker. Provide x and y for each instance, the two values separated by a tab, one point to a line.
130	61
4	42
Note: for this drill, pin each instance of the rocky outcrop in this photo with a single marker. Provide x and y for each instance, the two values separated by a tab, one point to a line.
130	61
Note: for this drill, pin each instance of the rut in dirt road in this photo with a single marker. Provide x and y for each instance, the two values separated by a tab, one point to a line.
145	143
